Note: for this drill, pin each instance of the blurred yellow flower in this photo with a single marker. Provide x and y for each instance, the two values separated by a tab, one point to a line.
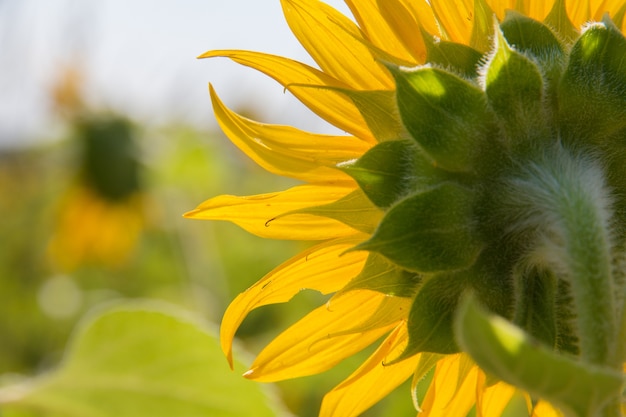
354	90
101	216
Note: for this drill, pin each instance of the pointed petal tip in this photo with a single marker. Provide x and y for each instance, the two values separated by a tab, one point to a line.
191	214
249	374
209	54
206	54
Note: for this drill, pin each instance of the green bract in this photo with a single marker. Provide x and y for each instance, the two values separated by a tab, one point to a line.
510	186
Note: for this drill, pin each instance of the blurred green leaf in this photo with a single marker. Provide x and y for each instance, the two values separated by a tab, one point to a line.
140	359
505	351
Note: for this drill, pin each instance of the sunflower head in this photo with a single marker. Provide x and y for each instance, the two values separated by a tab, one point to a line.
477	206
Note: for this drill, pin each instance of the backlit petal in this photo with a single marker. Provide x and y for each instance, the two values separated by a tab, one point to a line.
491	400
373	380
284	150
455	19
422	12
538	9
499	7
321	268
379	31
599	7
332	106
309	347
453	389
407	25
545	409
335	43
261	214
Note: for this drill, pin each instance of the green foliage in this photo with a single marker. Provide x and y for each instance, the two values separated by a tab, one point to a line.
380	275
446	115
535	309
515	89
451	56
505	351
432	314
355	210
592	93
428	231
139	359
391	170
379	111
111	162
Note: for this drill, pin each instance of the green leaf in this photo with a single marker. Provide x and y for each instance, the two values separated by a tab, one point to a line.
535	40
380	112
452	56
446	115
514	88
391	170
141	359
429	231
504	350
354	210
593	89
380	275
432	314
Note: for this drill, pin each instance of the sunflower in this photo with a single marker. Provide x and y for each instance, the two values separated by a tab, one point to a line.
473	216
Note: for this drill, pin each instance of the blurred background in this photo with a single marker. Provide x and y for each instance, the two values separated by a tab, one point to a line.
106	139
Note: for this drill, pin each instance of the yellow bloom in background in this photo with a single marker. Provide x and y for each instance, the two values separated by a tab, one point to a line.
101	215
418	203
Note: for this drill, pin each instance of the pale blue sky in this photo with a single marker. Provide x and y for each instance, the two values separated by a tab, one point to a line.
139	57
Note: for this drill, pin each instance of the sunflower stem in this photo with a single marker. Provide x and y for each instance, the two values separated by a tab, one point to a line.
588	263
565	200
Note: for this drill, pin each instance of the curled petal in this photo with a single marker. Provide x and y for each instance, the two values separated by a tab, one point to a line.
262	214
336	44
321	268
301	80
317	342
284	150
373	380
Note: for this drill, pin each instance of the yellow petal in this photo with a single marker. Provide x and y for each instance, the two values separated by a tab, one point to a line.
261	214
492	400
422	13
373	380
284	150
453	389
545	409
538	9
336	44
390	310
581	12
380	31
455	19
332	106
309	347
406	25
499	7
324	268
599	7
